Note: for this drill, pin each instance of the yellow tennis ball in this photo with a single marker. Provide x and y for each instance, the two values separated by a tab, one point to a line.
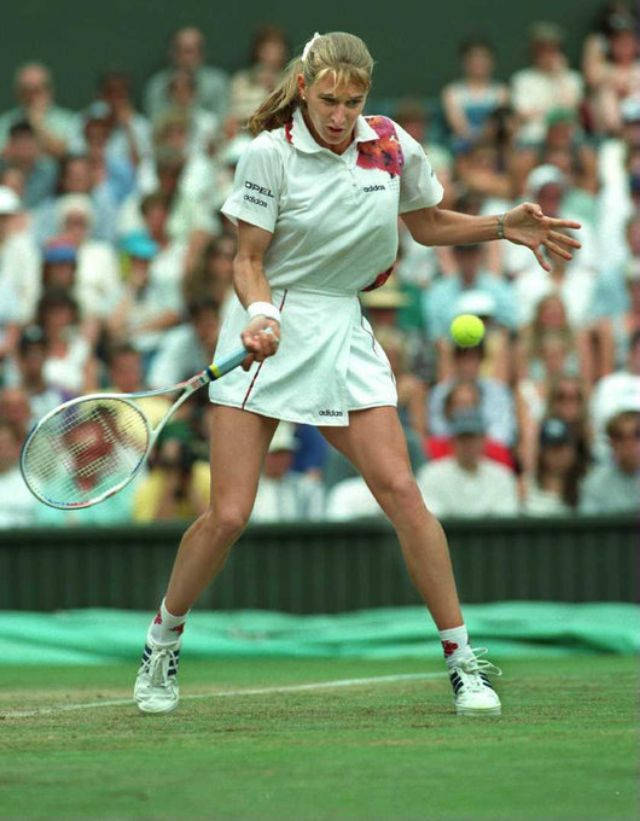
467	330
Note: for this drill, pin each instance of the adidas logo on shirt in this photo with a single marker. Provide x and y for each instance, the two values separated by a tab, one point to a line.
369	188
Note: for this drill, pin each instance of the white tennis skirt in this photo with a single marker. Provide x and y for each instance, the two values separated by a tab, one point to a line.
328	362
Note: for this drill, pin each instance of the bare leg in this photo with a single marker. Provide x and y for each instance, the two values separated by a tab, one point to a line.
239	441
375	444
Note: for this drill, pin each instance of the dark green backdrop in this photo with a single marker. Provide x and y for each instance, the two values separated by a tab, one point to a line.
413	41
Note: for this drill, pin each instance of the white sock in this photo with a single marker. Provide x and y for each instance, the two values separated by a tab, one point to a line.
166	628
455	642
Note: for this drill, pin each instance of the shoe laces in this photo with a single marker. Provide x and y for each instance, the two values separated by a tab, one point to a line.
475	667
157	667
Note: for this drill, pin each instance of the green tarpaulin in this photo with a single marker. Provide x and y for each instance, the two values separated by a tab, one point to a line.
522	628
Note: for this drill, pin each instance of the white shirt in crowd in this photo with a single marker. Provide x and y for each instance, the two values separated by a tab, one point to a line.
449	490
576	291
351	499
294	497
20	276
17	503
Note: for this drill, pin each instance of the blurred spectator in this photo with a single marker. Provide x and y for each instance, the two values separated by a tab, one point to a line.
19	272
212	277
177	486
17	504
553	489
469	102
202	125
546	84
75	178
441	301
574	284
52	125
112	171
614	487
612	70
282	494
129	134
188	348
169	261
567	401
496	400
39	171
187	52
97	278
552	190
69	365
15	408
28	374
615	306
465	395
149	304
546	351
250	86
467	483
471	290
615	393
412	391
619	176
566	147
125	376
187	186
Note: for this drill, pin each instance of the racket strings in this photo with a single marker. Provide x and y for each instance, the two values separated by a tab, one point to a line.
84	451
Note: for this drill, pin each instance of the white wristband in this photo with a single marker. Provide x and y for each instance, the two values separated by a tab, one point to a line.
266	309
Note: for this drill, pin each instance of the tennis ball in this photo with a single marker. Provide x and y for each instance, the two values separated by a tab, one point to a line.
467	330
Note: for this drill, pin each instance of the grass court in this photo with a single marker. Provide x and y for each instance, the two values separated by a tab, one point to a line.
565	747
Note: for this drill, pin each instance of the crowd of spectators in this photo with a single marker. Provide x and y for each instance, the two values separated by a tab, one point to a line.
116	266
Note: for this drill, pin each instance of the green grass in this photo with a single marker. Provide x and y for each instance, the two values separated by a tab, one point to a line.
564	748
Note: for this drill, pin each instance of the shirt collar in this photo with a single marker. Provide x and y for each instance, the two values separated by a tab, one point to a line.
302	139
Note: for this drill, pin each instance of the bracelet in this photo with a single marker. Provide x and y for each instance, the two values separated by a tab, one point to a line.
266	309
501	226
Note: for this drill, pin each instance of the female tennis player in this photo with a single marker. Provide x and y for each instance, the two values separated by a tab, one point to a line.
315	199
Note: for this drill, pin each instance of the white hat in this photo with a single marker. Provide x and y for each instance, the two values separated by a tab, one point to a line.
71	203
9	200
475	302
545	175
283	438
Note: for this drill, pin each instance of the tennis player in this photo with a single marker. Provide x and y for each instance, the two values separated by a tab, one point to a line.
315	199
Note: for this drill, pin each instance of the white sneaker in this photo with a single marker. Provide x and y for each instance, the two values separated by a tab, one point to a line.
473	694
156	688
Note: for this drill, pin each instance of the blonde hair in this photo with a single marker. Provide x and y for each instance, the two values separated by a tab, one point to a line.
341	54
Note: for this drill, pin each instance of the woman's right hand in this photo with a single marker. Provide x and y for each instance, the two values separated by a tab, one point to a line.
261	338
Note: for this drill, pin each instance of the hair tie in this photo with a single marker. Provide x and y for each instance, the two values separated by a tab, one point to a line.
309	46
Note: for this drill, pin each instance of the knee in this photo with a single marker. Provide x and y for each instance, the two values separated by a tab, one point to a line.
228	523
401	489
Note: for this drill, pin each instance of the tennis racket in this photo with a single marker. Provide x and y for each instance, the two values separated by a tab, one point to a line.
89	448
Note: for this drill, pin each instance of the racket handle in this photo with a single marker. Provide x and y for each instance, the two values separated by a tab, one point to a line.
218	369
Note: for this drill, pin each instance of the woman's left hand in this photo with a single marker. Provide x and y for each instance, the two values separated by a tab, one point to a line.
527	225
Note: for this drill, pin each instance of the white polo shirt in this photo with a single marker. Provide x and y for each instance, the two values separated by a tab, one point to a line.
333	219
334	224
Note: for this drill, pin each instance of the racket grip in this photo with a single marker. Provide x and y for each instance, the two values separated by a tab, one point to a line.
218	369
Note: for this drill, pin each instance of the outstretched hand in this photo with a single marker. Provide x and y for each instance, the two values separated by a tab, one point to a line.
527	225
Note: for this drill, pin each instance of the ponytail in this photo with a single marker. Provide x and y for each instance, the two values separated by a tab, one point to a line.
344	55
279	106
